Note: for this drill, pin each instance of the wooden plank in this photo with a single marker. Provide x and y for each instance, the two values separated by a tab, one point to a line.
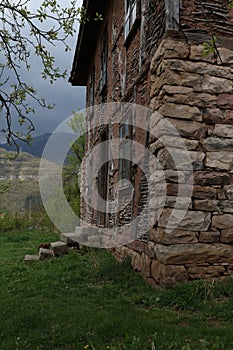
172	14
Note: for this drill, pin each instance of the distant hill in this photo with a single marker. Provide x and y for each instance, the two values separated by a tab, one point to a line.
35	148
19	182
38	143
23	167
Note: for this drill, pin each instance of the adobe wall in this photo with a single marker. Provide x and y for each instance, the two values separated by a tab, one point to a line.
195	94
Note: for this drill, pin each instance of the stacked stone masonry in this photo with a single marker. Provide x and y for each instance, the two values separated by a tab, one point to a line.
194	93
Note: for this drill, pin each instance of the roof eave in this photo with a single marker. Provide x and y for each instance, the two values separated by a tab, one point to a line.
84	52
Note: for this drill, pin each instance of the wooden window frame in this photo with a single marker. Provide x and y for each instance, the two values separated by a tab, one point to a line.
104	62
92	91
124	166
132	18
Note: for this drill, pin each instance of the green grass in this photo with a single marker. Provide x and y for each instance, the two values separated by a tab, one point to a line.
89	301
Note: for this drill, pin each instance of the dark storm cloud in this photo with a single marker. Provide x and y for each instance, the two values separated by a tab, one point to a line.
65	97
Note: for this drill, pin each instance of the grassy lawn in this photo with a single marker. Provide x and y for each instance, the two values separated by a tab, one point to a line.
89	301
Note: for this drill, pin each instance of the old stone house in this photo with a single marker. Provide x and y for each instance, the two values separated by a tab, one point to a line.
151	53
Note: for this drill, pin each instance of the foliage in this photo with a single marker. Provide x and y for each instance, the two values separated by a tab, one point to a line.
37	219
78	125
72	169
16	195
24	33
210	48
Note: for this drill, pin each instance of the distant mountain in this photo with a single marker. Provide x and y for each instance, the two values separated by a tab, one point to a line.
58	144
35	148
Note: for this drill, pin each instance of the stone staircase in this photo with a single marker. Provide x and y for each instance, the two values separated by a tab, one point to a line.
68	241
91	236
85	235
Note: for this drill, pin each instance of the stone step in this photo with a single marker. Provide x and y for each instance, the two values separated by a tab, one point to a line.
45	253
81	235
87	230
90	236
59	248
69	238
30	258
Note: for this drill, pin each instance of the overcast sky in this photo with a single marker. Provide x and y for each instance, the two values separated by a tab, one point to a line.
65	97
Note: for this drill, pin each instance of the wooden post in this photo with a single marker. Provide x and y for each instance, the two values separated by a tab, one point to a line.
172	14
30	210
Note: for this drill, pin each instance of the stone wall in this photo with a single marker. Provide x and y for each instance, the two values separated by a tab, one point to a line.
195	94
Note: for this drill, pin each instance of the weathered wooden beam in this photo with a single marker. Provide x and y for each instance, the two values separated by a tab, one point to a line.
172	14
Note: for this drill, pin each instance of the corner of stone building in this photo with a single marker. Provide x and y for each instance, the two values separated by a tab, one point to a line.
194	92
